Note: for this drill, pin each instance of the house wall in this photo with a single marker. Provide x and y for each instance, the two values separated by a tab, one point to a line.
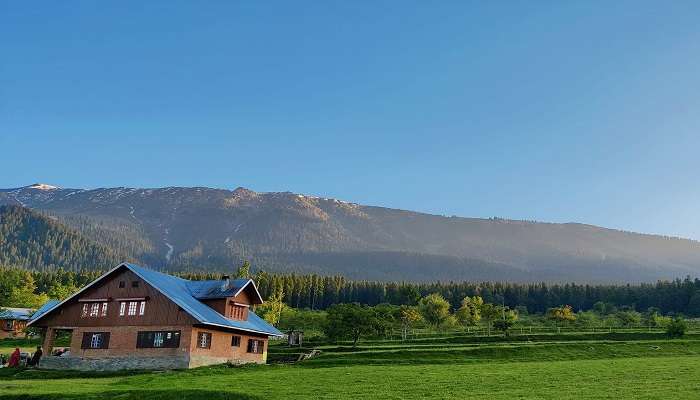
17	330
221	350
160	311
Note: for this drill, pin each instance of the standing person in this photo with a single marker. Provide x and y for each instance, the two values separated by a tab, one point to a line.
14	358
34	362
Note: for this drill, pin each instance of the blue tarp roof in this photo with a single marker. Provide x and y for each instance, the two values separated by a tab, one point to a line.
20	314
184	293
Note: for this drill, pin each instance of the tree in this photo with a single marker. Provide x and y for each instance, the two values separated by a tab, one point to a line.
677	327
469	314
271	310
561	314
434	309
628	318
604	308
349	321
409	316
489	313
507	320
243	272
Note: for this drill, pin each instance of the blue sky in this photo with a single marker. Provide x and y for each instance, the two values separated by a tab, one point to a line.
551	111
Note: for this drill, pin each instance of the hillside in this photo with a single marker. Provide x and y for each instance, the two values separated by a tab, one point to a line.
29	239
204	228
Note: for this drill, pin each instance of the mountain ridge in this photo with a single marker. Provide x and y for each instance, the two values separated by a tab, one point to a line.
208	228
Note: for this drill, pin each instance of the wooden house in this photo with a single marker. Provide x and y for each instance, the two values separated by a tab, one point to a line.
134	317
13	321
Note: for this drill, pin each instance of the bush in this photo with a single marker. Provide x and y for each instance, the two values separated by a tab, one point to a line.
677	327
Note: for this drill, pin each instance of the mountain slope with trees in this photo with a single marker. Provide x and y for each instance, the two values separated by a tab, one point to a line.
31	240
186	229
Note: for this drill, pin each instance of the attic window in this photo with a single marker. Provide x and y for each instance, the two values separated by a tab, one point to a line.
135	284
122	284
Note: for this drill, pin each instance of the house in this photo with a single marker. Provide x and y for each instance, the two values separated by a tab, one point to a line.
13	321
133	317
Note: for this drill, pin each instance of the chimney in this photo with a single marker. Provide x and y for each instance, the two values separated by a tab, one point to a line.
225	280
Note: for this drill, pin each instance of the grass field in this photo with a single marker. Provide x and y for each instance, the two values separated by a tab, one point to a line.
595	367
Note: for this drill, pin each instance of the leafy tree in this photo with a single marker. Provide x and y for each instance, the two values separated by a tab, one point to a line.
469	314
434	309
628	318
243	272
677	327
271	310
561	314
409	316
507	320
350	321
489	313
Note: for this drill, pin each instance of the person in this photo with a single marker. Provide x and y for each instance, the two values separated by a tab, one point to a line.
34	361
14	358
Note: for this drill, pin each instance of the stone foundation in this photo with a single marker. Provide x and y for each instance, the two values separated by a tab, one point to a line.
114	363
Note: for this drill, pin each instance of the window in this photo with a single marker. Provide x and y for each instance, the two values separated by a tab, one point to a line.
95	340
256	346
238	312
158	339
94	309
204	340
134	283
235	341
122	308
142	308
132	307
9	325
122	284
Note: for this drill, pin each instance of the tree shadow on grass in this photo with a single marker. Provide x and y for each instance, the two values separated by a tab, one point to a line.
139	395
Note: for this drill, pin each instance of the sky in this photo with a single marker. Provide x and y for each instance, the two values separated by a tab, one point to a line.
552	111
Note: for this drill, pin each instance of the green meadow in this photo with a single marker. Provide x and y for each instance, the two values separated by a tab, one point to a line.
610	366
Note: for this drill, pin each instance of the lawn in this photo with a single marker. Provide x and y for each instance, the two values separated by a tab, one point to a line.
604	369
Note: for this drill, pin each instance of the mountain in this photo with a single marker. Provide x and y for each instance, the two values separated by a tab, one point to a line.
30	239
212	229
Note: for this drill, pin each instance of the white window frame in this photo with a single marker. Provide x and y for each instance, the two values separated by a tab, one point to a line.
132	308
204	340
158	339
86	310
94	310
142	308
104	310
122	308
96	341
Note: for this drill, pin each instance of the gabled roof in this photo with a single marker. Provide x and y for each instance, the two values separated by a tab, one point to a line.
179	292
20	314
215	289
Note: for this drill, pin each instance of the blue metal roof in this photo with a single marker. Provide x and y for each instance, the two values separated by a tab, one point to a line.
178	290
215	289
45	308
20	314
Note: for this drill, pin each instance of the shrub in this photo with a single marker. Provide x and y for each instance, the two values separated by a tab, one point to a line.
677	327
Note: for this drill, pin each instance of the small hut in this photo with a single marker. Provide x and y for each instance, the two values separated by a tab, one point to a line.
295	338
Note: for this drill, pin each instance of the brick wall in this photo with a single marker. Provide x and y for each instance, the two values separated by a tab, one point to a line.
221	350
122	342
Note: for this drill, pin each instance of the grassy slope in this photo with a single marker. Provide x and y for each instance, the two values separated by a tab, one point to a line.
640	369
